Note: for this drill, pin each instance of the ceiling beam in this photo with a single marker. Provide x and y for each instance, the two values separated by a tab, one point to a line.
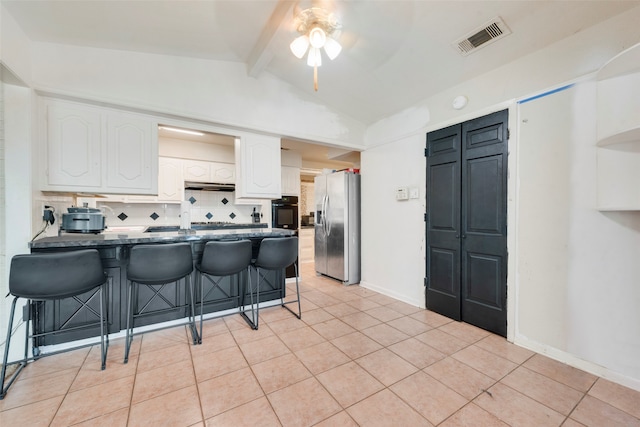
262	52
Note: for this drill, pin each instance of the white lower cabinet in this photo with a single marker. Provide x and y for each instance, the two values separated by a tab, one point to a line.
93	149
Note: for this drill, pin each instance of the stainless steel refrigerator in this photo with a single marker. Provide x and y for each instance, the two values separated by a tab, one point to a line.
337	226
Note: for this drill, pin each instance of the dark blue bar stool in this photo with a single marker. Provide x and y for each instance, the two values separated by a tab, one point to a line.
54	276
219	259
275	253
155	266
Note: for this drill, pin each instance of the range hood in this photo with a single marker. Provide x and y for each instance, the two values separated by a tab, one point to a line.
208	186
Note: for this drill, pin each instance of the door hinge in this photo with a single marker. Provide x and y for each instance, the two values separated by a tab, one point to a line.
426	282
508	133
426	152
426	217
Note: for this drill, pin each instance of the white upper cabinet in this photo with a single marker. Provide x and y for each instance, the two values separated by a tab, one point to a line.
258	171
170	180
200	171
74	146
92	149
290	181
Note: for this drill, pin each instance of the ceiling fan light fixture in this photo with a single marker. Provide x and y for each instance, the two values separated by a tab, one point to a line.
316	27
299	46
332	48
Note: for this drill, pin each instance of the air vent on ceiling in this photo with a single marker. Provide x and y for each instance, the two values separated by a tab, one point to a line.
488	33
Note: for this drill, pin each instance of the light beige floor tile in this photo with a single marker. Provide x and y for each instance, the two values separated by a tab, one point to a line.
594	412
219	363
560	372
360	320
162	339
42	387
404	308
163	380
303	404
349	383
503	348
472	416
464	331
178	408
572	423
255	413
417	353
301	338
386	366
271	314
385	334
149	360
385	409
289	323
93	402
553	394
333	329
432	399
465	380
91	374
617	396
341	419
356	345
318	315
33	415
57	363
321	357
516	409
263	349
212	327
245	334
280	372
341	310
409	325
483	361
382	299
321	299
117	418
441	341
431	318
384	313
363	304
213	343
235	322
228	391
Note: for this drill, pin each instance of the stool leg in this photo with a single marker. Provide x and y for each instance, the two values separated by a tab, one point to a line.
199	277
192	314
103	326
253	322
23	363
129	338
284	304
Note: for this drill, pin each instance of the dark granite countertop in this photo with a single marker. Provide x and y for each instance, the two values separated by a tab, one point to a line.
112	239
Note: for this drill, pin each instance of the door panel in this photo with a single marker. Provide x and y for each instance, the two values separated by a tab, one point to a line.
443	212
466	222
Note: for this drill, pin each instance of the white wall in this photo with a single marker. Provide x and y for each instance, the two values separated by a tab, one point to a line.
213	91
554	284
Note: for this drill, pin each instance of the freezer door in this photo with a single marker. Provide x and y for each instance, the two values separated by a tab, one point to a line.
320	242
335	219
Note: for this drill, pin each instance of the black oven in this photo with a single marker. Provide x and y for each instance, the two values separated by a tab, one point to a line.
284	213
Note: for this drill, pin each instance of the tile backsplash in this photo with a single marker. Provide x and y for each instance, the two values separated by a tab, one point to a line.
206	206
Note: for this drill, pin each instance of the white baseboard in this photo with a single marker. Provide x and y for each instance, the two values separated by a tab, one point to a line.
385	291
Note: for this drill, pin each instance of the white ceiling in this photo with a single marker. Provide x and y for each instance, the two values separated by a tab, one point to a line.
396	52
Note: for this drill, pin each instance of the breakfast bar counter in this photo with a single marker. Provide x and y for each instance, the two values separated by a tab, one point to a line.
74	318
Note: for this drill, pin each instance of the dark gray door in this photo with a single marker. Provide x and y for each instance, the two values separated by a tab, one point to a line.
466	222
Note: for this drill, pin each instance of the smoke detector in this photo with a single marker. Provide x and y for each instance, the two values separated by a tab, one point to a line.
488	33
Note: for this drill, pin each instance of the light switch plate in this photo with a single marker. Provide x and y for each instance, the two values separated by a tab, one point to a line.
402	193
414	193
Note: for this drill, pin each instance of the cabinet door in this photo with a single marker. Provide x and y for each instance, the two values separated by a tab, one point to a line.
258	167
195	170
170	181
131	154
290	181
224	173
73	135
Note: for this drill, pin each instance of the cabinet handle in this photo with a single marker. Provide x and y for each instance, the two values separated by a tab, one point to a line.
457	236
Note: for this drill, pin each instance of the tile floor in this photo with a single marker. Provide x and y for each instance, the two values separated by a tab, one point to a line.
356	358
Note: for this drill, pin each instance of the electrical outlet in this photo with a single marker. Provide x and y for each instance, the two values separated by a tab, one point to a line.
47	215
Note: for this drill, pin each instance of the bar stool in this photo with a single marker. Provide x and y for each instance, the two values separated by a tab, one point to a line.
49	277
275	253
155	266
222	258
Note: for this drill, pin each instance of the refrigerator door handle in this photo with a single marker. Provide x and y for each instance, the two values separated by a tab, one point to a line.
324	214
327	220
